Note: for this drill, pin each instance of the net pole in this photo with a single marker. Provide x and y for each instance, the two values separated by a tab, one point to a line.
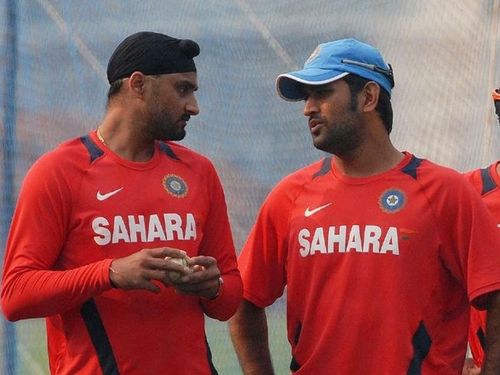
9	148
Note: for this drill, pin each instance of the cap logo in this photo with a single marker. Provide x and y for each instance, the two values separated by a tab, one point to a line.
314	54
175	186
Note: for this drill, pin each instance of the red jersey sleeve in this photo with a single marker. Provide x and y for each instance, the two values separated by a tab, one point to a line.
31	285
487	183
263	259
472	251
218	243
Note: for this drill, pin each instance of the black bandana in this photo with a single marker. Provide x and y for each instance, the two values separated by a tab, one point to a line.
152	53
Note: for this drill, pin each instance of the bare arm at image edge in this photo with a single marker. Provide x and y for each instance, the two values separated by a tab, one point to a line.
249	334
492	362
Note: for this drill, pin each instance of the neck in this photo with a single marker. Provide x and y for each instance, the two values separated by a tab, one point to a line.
125	137
369	159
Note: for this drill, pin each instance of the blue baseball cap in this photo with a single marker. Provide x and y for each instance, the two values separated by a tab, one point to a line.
332	61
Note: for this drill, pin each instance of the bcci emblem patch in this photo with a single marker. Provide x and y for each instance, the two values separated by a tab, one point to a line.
392	201
175	185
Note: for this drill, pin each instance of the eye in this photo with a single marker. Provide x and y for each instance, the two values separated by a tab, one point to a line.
322	93
186	88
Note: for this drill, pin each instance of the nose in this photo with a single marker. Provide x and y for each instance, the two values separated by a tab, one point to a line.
310	107
192	106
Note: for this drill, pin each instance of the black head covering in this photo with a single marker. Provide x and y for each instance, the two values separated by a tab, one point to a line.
152	53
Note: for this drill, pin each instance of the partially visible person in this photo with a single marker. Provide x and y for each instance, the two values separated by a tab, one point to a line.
100	219
380	251
487	182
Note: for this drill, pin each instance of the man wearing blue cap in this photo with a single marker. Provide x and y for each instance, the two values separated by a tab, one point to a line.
381	251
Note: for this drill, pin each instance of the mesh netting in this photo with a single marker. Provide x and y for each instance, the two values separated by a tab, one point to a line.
53	87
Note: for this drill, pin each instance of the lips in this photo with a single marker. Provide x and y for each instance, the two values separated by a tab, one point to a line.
183	121
314	125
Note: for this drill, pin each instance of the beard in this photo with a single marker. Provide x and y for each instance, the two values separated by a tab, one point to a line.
343	137
163	125
164	128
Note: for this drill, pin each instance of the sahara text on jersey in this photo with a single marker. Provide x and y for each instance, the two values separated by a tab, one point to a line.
343	239
141	228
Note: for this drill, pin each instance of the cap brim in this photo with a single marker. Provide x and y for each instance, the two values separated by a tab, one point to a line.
290	85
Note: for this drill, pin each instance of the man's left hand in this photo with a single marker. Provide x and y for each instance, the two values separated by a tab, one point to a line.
203	281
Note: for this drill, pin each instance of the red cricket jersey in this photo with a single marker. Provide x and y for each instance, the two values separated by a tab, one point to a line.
82	206
487	182
379	270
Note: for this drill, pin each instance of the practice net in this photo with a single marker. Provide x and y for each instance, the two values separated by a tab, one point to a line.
445	55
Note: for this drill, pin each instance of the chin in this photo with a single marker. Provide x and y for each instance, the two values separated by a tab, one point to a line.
172	137
317	143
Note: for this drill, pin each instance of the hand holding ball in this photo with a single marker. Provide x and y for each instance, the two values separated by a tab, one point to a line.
175	276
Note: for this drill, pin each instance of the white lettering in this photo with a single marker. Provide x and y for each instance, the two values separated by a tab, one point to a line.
103	235
344	239
318	242
190	231
372	238
173	224
391	242
304	243
155	231
140	228
355	240
137	228
339	239
120	231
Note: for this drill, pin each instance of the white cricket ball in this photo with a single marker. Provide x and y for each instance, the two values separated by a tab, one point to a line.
175	276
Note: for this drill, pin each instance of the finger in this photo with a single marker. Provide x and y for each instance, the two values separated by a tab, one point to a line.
201	275
202	260
197	268
173	266
162	252
200	280
166	265
156	275
148	285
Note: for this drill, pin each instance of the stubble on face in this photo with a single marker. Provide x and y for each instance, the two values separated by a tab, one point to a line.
163	124
343	135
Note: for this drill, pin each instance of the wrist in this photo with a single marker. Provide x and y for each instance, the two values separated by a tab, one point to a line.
112	275
220	285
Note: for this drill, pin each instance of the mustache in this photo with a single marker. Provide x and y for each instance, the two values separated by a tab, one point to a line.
185	117
315	117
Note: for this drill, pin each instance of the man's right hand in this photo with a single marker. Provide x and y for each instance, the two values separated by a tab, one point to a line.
137	271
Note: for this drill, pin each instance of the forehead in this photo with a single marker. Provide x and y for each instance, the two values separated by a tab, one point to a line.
189	78
330	85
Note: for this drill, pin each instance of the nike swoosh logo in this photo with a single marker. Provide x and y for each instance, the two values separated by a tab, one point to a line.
102	197
309	212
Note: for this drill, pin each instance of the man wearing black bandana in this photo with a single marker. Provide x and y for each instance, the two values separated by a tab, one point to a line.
121	237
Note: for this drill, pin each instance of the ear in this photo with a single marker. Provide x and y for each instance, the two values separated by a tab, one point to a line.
136	83
370	96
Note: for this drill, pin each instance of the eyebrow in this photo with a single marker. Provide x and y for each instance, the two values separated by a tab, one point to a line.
313	88
188	83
